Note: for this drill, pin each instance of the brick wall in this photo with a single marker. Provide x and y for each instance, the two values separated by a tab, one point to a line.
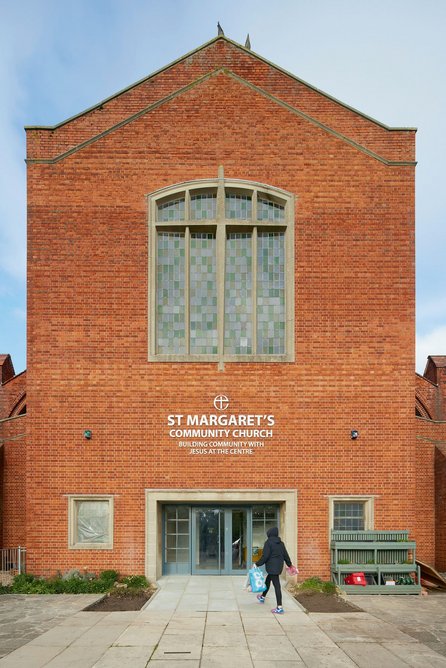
12	458
426	397
440	501
431	436
13	483
88	312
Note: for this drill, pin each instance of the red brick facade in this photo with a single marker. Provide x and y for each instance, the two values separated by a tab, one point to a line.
12	455
431	438
88	368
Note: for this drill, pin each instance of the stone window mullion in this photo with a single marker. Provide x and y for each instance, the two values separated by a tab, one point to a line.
221	246
254	290
226	259
254	206
187	205
187	288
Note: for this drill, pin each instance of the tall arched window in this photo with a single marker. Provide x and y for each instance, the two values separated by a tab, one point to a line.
221	272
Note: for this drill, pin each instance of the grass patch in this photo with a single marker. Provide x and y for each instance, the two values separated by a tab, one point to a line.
315	584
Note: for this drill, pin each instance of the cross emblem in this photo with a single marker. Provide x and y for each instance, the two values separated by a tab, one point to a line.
221	402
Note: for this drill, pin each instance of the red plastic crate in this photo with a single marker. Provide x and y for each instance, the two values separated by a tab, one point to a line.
355	579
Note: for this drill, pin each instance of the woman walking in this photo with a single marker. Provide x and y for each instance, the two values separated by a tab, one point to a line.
274	556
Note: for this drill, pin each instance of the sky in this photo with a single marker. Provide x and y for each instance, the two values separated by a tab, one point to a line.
386	58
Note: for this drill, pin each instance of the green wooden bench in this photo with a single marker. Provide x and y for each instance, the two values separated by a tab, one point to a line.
381	555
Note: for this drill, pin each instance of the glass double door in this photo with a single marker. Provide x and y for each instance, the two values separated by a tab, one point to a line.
219	540
214	539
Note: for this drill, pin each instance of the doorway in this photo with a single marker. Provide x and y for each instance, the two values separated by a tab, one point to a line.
215	539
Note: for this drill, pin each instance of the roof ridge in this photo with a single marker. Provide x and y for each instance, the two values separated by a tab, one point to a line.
200	48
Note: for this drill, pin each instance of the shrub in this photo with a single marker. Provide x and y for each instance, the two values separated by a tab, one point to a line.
76	574
28	584
73	582
317	585
135	581
109	577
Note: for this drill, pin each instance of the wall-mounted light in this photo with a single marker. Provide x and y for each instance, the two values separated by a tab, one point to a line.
88	434
354	434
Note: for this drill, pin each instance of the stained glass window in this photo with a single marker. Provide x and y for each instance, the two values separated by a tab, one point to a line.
269	210
203	206
238	207
171	210
203	293
170	293
220	273
238	294
271	293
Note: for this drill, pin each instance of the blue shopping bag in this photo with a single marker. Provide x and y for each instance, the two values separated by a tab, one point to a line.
256	579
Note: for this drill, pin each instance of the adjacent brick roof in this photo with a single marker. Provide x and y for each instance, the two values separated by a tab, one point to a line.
6	368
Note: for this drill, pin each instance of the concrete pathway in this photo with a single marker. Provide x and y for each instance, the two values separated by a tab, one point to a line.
423	618
208	622
24	617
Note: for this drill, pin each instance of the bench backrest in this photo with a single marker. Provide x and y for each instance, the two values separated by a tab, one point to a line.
369	536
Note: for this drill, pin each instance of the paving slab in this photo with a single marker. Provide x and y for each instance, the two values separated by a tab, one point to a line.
222	657
171	663
117	657
370	655
185	626
273	648
181	614
120	618
179	648
364	629
327	657
77	657
23	617
418	655
180	626
84	620
310	637
224	637
422	617
223	619
142	635
223	605
279	664
29	657
100	636
59	636
265	627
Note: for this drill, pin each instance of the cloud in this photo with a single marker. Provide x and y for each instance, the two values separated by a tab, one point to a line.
431	343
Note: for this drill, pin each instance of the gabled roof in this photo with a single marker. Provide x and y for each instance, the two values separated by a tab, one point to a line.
366	137
434	362
438	360
98	105
6	368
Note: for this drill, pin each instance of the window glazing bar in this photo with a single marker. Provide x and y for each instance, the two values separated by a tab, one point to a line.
254	291
187	289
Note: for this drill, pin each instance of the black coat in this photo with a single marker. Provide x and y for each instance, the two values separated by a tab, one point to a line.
274	553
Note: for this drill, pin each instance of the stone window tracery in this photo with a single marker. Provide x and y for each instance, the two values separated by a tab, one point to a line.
221	273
